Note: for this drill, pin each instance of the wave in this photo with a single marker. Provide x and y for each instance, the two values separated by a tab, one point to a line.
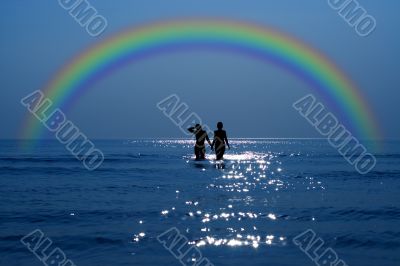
386	213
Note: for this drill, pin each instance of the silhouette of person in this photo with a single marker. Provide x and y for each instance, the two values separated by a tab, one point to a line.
220	139
201	136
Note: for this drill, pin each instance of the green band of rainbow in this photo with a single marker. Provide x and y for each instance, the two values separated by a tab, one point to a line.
328	79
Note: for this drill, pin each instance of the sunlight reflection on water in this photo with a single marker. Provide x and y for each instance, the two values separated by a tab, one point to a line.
242	173
246	186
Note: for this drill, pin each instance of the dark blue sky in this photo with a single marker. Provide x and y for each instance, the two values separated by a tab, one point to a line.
38	37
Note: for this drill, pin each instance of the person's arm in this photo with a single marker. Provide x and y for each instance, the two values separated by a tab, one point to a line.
213	142
226	141
191	129
208	140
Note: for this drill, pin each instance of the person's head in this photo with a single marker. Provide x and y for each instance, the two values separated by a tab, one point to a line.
220	125
197	127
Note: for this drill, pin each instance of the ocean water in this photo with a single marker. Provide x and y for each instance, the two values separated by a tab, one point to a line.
245	212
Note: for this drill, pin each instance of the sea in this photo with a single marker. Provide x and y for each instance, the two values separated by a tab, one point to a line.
270	202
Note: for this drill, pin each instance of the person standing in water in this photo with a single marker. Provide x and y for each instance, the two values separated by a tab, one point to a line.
201	137
220	139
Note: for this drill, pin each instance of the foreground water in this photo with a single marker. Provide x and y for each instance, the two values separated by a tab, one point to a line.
248	212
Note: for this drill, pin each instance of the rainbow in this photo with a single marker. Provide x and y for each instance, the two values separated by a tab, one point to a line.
256	41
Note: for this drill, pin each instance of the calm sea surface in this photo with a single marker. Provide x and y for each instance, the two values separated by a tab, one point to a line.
246	213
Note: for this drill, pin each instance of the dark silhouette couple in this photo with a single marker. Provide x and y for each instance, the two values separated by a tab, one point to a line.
218	144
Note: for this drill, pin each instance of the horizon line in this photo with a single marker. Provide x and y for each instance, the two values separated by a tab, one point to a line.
145	138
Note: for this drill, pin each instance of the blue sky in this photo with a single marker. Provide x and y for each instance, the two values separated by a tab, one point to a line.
38	37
